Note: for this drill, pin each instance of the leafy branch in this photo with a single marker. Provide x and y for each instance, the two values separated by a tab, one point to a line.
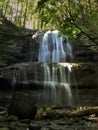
72	21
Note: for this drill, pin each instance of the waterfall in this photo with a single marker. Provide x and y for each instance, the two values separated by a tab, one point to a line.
54	48
53	52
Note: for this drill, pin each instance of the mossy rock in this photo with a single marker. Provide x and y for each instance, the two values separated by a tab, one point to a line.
23	106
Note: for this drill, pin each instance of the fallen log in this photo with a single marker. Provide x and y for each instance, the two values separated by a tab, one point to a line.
56	114
86	112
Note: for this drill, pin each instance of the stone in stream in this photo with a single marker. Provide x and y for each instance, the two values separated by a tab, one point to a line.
23	106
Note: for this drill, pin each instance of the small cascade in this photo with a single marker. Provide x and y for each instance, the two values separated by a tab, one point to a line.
54	51
19	75
54	48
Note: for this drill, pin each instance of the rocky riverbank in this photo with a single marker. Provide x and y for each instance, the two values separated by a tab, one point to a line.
11	122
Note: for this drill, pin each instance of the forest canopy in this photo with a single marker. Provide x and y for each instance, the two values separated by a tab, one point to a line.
71	17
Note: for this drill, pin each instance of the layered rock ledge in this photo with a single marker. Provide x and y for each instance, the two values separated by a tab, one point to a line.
31	75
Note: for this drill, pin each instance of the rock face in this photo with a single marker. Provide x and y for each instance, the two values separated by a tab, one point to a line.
22	45
20	49
83	75
23	106
84	50
16	44
23	75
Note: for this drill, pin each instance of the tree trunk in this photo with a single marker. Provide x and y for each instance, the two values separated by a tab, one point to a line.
6	6
25	13
17	8
56	114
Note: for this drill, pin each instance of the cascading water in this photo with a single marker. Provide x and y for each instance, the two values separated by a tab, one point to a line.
55	49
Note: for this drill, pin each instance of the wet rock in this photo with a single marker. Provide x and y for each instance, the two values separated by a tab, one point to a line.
54	127
31	75
4	128
84	50
18	45
23	106
61	123
2	118
34	127
12	118
27	121
84	75
2	113
45	128
18	126
2	108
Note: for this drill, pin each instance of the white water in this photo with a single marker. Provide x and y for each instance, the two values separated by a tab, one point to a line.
55	48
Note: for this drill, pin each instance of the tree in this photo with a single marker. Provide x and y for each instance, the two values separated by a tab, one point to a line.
70	16
20	12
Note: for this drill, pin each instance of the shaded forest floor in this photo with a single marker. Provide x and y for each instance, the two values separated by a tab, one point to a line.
52	119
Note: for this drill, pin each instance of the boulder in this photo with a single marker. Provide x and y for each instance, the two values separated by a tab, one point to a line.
23	105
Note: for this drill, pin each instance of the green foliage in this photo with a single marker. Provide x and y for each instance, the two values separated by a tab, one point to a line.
70	17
